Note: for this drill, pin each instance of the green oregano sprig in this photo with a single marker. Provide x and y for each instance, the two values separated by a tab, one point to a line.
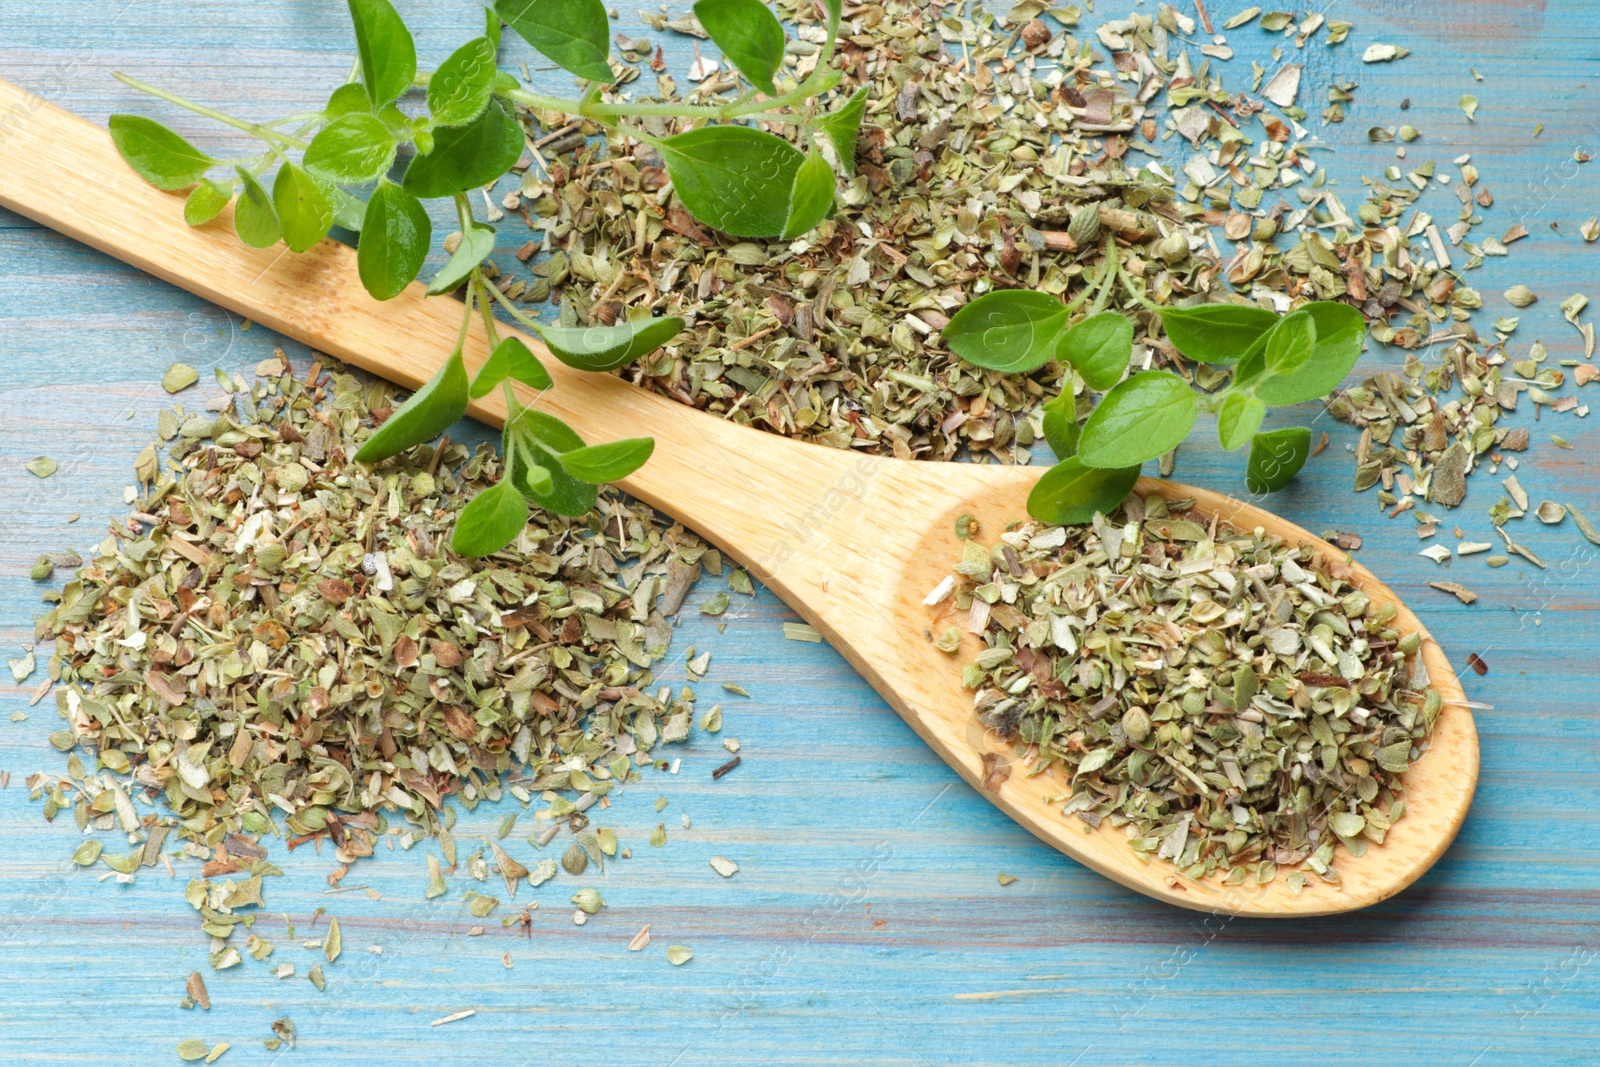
744	181
1277	360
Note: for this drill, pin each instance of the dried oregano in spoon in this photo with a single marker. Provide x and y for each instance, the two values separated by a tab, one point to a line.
1233	702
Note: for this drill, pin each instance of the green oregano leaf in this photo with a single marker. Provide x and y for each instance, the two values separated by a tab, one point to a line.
542	439
1216	333
1276	457
205	202
1141	418
572	33
1071	492
510	359
1290	343
605	348
304	208
254	218
1012	330
460	89
394	243
351	149
491	26
749	34
1340	332
1098	348
1239	419
399	122
159	156
349	99
842	128
388	54
477	241
1061	427
349	210
430	412
811	196
490	522
610	461
734	178
467	157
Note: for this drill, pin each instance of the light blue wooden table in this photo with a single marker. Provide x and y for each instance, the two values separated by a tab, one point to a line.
866	924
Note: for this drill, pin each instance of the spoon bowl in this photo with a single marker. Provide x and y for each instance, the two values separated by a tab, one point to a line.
851	542
927	691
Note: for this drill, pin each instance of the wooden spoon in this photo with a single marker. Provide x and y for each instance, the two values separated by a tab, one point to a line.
851	542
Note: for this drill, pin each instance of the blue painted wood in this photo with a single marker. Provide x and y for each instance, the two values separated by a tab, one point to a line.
866	924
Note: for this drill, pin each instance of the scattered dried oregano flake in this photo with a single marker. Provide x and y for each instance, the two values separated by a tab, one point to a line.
1383	53
1461	592
588	901
1233	704
195	987
179	377
42	466
193	1049
22	666
1550	513
1585	527
723	866
678	955
333	944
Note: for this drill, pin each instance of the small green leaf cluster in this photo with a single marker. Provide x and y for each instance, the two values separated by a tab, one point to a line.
546	463
1277	360
742	180
736	178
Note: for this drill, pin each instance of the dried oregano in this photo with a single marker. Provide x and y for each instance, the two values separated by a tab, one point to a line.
1232	702
279	640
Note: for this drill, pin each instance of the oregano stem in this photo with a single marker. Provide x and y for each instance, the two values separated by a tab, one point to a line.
1108	274
485	308
826	58
1098	286
466	323
515	312
259	163
812	86
1127	287
264	132
305	117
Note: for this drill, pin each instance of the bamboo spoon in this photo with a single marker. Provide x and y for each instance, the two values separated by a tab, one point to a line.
853	543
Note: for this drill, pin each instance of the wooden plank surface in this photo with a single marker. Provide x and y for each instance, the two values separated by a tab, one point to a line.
866	924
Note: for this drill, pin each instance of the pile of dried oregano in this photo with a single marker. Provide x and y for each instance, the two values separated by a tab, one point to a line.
997	152
998	149
1232	702
279	636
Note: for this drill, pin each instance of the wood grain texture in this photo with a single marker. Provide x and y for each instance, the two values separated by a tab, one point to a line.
866	924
